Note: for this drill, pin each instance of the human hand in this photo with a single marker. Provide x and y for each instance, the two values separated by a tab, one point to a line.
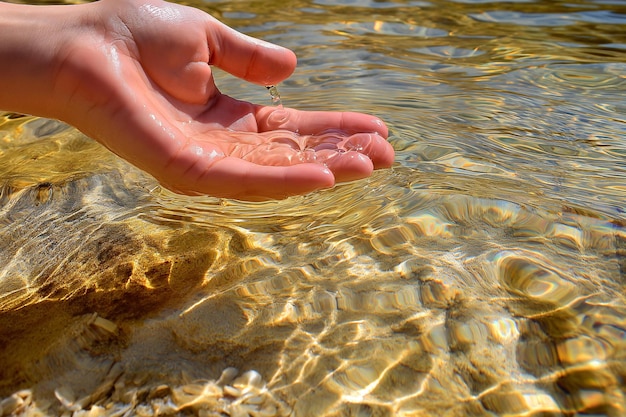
137	77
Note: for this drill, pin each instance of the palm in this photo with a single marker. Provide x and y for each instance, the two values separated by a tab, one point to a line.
178	126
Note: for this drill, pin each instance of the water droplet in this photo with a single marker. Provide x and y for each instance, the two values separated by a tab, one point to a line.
274	94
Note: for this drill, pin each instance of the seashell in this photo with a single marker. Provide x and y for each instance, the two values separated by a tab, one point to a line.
159	391
232	391
253	399
10	404
249	378
227	376
196	396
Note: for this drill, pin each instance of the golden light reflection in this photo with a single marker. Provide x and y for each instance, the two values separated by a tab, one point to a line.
481	276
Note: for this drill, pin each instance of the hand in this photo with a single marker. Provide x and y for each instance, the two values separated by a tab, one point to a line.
137	77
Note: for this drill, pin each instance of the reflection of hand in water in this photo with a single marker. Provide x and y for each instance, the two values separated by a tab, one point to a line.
136	75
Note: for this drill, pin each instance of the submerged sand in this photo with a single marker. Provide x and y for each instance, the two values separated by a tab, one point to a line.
122	299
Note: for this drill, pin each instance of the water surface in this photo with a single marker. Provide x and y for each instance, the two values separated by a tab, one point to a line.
483	275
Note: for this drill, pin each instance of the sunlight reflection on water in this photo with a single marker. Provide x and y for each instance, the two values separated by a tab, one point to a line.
481	275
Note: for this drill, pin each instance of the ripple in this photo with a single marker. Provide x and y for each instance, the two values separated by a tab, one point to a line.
482	274
448	52
582	349
389	28
550	19
525	275
510	400
374	4
571	77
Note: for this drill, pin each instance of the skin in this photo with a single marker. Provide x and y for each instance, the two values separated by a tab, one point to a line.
136	76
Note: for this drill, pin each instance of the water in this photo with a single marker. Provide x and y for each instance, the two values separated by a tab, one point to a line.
483	275
274	95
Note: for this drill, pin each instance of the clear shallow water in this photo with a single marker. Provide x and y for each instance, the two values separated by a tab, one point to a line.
482	275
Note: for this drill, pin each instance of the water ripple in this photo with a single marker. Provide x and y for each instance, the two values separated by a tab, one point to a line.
482	275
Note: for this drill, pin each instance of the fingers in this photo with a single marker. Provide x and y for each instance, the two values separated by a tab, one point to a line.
248	58
250	179
254	167
239	179
235	178
349	131
316	122
348	166
377	149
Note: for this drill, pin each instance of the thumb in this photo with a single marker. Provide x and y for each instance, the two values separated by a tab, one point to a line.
246	57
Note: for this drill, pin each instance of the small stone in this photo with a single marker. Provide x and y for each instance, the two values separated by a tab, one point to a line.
105	325
249	378
227	376
159	392
232	391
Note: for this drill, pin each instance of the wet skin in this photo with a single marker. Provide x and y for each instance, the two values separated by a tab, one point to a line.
137	77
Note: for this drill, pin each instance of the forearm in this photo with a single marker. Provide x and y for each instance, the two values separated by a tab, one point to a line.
32	42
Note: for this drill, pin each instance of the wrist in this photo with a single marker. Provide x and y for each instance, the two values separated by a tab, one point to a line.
35	42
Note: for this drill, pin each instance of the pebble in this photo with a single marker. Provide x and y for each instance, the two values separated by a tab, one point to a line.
232	395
